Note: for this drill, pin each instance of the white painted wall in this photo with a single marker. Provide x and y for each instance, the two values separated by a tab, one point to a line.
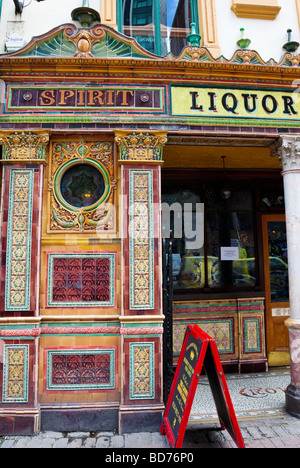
38	18
267	36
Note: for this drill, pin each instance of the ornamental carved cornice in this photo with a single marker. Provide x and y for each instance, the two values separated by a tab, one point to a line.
287	148
140	146
20	146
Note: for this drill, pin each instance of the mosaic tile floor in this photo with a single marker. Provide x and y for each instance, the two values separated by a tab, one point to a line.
252	395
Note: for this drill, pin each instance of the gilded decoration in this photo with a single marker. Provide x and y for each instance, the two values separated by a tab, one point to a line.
141	247
19	227
24	146
69	181
141	146
15	374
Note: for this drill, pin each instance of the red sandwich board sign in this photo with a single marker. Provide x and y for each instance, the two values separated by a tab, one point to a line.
198	350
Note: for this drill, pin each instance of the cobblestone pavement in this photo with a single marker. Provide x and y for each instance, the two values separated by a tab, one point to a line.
283	432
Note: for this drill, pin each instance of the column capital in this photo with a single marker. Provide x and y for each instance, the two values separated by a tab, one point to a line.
287	148
140	146
22	146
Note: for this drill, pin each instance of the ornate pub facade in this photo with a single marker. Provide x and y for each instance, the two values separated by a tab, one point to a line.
148	182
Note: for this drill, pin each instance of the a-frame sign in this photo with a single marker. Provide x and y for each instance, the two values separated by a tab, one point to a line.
198	350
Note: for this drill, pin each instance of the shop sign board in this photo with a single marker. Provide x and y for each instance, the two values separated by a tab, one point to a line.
253	103
80	97
199	350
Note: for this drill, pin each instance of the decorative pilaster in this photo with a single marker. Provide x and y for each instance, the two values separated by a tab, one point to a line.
23	160
140	156
288	150
141	147
25	147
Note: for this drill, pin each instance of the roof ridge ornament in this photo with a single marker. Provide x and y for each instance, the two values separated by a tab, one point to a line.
85	15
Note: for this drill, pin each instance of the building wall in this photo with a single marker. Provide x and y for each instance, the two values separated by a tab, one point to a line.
267	35
219	24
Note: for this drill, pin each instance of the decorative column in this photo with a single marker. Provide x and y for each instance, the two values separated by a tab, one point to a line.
142	317
23	159
288	151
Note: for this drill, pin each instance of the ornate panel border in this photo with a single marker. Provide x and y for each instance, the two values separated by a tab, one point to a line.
76	366
111	256
101	216
141	246
18	256
141	369
15	374
252	339
222	330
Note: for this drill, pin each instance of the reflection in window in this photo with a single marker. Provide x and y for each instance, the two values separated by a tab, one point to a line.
227	258
179	215
230	240
278	261
159	26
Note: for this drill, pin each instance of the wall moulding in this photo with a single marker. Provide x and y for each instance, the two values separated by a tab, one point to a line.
256	9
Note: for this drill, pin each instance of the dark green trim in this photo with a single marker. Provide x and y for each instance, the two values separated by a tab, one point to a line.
119	15
195	15
157	27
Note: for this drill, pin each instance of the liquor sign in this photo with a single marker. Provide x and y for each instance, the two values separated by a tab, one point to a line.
198	350
235	103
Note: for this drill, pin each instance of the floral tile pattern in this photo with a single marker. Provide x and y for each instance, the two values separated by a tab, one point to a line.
17	291
15	374
141	240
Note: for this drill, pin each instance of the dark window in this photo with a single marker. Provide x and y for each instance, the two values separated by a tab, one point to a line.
217	249
82	185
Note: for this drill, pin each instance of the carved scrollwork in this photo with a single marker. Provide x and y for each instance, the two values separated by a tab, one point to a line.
99	216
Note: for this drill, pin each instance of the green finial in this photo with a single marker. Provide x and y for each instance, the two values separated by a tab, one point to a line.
290	46
194	38
243	43
85	15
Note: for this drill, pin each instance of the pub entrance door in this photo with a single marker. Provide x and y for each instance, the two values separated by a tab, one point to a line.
276	288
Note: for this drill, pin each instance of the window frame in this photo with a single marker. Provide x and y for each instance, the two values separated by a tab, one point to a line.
256	180
157	34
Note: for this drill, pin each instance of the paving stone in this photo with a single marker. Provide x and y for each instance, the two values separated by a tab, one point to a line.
117	441
159	441
53	435
22	443
254	432
102	442
75	443
139	440
90	442
61	443
47	442
8	443
35	442
78	435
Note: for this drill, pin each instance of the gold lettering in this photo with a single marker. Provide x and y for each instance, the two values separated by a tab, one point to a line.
64	95
111	94
124	93
95	95
80	101
49	98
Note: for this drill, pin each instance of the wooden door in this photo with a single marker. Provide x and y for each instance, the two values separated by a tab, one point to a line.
276	288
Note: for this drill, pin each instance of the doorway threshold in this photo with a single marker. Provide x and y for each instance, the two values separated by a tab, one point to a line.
254	396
